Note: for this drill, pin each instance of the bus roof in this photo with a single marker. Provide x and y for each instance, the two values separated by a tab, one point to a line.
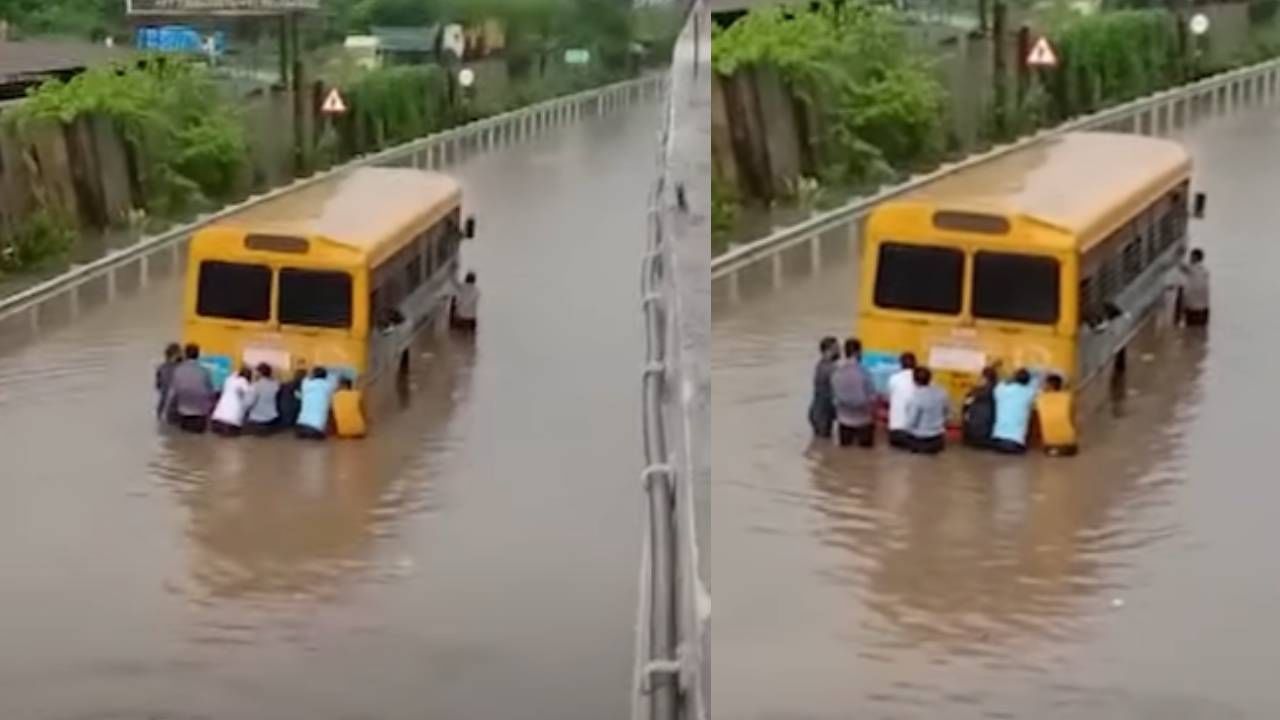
1084	183
366	209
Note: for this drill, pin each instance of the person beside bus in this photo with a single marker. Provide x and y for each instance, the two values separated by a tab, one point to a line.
854	395
1015	400
317	398
1193	293
264	414
234	403
901	387
926	415
191	392
979	413
1055	411
164	376
348	417
822	409
289	399
466	301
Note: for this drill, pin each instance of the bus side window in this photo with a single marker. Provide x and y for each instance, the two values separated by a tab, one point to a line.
1088	303
1132	260
375	308
428	252
443	253
413	271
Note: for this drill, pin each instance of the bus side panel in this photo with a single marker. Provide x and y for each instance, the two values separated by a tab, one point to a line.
422	308
1140	301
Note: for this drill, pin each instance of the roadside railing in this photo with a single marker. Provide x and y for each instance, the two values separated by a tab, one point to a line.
1163	113
134	265
672	644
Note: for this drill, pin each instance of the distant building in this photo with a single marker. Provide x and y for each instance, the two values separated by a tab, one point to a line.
417	45
27	64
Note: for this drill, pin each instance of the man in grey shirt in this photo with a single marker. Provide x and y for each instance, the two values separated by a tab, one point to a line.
191	392
854	394
927	415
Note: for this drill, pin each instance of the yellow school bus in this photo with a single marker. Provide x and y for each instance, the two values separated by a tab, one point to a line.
342	274
1050	258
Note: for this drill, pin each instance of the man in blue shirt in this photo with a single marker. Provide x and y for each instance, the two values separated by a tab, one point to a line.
1014	402
317	396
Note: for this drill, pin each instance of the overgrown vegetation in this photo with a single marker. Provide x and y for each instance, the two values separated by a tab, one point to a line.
877	109
186	142
877	102
43	237
81	18
1110	58
724	212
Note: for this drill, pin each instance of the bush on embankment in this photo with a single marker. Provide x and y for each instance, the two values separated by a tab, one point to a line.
1111	58
186	143
41	238
876	102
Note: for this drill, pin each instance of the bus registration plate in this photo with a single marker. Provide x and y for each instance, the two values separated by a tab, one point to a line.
957	359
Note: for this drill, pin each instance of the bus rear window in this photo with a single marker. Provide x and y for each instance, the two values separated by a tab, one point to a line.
234	291
1021	288
919	278
315	298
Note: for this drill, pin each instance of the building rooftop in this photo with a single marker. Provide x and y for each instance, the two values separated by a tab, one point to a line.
31	58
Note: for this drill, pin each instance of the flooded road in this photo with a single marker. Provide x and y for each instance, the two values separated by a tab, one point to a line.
1138	580
476	557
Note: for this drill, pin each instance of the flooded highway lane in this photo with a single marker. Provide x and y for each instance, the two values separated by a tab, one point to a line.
1138	580
475	557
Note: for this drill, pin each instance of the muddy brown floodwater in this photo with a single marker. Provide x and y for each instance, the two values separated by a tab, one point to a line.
1138	580
476	557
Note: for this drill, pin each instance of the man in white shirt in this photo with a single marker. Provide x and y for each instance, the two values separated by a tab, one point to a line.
1193	293
462	314
902	386
236	399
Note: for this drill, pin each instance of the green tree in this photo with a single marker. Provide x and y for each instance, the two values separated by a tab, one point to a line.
189	143
877	101
83	18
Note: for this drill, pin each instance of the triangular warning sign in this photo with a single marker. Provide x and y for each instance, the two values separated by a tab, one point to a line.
333	103
1042	54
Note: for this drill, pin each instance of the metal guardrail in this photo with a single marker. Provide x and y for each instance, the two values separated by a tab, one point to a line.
432	152
671	644
1161	113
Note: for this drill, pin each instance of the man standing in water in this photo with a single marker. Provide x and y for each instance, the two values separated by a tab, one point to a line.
822	410
1014	402
926	415
854	395
1193	294
462	313
902	385
164	376
191	392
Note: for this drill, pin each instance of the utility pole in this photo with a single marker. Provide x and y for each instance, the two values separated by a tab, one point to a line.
299	138
1000	88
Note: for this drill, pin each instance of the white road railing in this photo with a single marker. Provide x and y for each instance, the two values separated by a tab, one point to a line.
672	641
